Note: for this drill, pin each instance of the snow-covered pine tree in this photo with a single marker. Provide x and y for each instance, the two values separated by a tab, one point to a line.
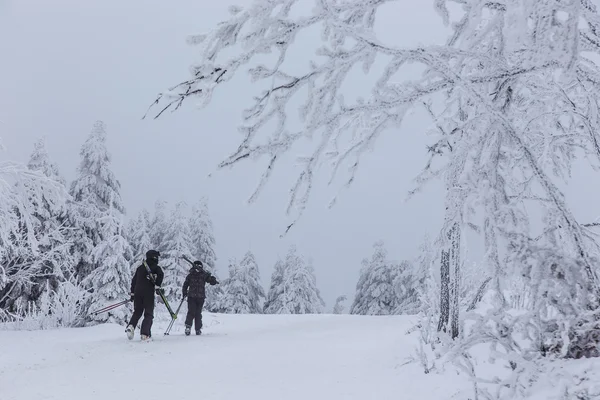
158	226
104	253
339	308
274	300
95	192
111	278
300	292
177	243
203	243
243	292
203	240
40	161
375	290
139	237
293	287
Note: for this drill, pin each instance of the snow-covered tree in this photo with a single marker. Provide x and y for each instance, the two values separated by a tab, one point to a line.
104	252
177	243
512	98
30	245
139	237
294	287
407	282
338	308
111	279
95	192
158	226
57	263
40	161
274	300
300	292
201	230
203	244
376	288
242	291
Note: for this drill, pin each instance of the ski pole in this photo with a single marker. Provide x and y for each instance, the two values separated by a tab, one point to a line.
173	319
108	308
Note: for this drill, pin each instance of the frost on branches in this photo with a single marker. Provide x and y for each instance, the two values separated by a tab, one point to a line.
242	291
34	245
512	97
375	290
406	285
294	287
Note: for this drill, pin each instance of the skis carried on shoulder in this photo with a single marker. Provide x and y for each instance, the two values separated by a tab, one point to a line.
160	292
188	260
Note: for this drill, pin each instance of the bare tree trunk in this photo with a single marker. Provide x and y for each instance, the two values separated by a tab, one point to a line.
454	237
444	291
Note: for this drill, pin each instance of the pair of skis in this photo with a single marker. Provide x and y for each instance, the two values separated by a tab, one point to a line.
173	315
164	300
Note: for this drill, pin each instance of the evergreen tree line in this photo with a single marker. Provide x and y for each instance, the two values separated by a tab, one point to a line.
63	246
67	249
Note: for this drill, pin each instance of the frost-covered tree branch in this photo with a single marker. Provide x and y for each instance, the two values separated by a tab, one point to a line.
512	100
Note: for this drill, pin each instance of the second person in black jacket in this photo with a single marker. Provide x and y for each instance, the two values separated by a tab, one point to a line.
194	289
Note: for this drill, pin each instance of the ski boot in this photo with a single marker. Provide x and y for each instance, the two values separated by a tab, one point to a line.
188	329
130	331
198	332
145	338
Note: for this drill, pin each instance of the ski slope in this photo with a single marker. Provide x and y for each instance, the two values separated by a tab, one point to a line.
262	357
239	357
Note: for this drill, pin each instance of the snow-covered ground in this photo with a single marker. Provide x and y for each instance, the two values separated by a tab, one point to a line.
248	357
239	357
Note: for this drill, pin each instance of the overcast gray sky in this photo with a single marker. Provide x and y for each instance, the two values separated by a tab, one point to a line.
66	63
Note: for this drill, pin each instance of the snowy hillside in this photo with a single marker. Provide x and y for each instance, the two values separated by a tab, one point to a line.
239	357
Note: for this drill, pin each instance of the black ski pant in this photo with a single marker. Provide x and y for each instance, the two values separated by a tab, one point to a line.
143	303
195	305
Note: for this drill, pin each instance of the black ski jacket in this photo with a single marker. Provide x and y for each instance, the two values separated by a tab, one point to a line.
194	285
141	282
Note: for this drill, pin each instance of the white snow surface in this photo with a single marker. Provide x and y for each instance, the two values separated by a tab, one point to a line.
238	357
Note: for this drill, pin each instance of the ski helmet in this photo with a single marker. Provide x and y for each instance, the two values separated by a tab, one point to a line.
152	255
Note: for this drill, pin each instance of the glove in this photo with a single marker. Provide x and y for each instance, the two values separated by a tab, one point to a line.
160	291
132	296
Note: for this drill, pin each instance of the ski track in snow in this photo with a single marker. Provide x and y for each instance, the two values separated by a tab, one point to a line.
239	356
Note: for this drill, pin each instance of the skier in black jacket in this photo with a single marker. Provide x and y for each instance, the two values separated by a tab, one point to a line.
142	294
194	289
